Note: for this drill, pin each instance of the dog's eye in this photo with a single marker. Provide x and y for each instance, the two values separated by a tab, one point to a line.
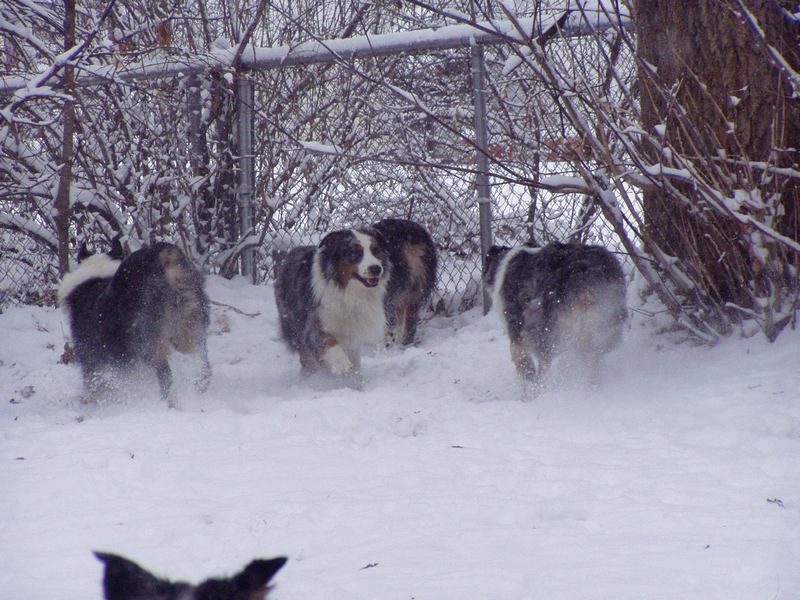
377	251
356	252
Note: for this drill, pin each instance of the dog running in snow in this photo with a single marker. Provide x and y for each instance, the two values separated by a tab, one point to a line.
330	300
135	310
412	276
125	580
560	298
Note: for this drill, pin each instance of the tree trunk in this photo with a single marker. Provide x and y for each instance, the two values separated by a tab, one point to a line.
709	60
63	199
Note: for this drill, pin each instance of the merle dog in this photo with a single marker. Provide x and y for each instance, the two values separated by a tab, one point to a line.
556	299
413	259
135	310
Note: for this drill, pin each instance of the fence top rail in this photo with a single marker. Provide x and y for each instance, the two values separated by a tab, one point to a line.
308	52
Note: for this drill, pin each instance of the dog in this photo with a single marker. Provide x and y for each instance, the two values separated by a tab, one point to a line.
134	310
560	298
125	580
330	300
413	259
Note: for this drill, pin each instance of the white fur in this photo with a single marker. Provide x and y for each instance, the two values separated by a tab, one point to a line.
369	259
337	361
96	266
353	315
499	278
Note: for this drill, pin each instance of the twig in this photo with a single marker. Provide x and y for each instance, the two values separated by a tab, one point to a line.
234	309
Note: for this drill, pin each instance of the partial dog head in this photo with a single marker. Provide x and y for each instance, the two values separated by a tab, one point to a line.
116	252
125	580
102	265
352	255
493	259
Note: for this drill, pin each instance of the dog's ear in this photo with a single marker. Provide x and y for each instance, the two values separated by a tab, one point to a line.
495	251
493	258
117	253
381	239
252	581
83	252
325	240
125	580
332	237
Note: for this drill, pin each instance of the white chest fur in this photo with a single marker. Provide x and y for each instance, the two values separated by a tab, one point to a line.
354	314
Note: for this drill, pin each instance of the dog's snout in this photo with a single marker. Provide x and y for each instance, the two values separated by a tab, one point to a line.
375	270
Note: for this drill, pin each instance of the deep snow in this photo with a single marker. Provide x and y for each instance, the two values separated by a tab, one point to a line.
677	477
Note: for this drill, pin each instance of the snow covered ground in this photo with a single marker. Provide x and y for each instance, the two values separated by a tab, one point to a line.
677	477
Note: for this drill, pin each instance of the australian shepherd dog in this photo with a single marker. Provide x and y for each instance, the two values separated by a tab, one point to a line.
560	299
330	300
125	312
125	580
413	259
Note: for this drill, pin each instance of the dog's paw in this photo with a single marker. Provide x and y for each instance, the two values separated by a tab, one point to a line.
337	361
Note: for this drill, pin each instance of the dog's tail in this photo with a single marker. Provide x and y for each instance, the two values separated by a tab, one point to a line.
595	318
191	317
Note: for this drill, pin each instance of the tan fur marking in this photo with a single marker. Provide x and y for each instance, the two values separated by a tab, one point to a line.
184	322
328	342
414	254
345	273
171	261
521	359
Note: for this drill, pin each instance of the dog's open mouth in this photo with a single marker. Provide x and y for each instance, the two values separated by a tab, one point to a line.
369	281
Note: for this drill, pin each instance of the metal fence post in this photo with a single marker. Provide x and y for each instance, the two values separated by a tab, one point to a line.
199	168
193	109
482	188
245	150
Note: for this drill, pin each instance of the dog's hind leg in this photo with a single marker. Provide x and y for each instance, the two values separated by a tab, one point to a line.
204	378
164	374
99	383
411	319
522	360
392	318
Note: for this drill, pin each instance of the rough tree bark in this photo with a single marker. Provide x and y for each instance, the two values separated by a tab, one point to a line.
709	60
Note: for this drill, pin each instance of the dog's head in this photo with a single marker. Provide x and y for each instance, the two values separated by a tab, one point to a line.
354	255
125	580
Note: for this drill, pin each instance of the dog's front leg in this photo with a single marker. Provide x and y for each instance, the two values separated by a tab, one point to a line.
335	358
164	374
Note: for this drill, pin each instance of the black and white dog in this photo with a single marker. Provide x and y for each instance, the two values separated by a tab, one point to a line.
413	259
125	580
135	310
330	300
560	298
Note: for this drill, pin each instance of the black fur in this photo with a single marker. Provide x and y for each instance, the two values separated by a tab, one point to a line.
559	297
293	297
125	580
349	281
414	260
153	302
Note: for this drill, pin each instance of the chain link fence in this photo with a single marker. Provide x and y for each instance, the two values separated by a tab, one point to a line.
337	145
